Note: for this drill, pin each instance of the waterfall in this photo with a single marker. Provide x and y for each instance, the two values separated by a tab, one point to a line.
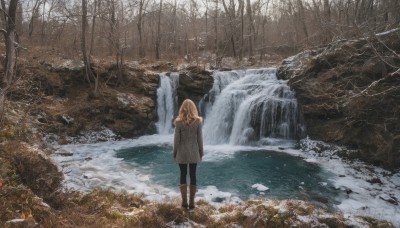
242	107
250	106
221	80
167	102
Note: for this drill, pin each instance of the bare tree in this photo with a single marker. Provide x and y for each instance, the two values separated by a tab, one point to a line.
241	8
34	15
142	8
97	5
302	18
216	41
85	56
251	27
238	27
158	41
8	16
230	11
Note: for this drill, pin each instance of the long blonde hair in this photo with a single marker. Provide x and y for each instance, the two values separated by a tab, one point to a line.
188	112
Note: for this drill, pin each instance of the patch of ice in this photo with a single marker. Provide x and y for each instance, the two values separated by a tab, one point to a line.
311	160
248	212
125	102
67	118
15	221
72	64
219	216
354	223
323	184
305	219
212	194
260	187
360	197
282	210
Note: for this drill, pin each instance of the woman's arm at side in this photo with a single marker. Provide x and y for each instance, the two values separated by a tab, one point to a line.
177	138
200	138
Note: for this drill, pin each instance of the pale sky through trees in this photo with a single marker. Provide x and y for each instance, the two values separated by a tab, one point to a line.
190	28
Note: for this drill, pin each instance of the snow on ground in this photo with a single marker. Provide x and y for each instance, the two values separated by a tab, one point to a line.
367	190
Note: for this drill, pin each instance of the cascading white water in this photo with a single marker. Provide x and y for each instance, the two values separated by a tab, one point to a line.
242	107
253	106
221	80
166	102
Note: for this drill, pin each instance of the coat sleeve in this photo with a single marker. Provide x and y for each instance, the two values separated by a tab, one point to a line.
177	138
200	138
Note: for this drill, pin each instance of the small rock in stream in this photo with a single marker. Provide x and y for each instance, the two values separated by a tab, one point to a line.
65	154
218	199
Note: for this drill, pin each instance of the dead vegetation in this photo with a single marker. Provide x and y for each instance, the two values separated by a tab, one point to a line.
31	196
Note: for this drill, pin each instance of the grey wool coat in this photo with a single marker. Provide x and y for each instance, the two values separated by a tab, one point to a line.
188	142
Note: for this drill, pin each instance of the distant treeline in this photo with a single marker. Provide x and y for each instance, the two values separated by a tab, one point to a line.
190	28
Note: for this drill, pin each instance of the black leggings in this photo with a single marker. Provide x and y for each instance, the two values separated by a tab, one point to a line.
192	173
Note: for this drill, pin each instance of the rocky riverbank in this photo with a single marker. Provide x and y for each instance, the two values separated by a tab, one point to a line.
349	92
52	102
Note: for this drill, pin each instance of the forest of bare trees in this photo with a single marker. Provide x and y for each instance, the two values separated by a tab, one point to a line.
191	28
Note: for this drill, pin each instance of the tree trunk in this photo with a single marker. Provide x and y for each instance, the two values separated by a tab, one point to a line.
96	8
33	16
231	16
251	28
139	27
42	35
10	40
174	32
241	7
111	34
86	61
303	19
158	41
327	11
395	12
216	33
264	23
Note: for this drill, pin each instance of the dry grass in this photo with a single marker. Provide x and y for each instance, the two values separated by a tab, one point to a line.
19	198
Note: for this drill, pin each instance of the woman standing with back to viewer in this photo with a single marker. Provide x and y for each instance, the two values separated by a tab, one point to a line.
188	148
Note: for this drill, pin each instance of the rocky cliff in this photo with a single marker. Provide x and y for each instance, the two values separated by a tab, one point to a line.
67	110
194	83
349	92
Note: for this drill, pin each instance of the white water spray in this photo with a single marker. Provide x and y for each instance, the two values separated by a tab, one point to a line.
253	106
167	101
